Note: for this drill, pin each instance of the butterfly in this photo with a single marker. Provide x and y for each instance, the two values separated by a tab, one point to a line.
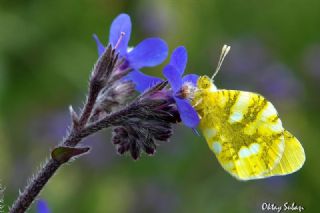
244	131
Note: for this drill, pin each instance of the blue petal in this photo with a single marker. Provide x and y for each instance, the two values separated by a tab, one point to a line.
188	114
122	23
173	76
142	81
150	52
42	207
179	59
99	44
193	78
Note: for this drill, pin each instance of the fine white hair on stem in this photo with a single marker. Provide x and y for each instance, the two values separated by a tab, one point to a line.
224	52
1	198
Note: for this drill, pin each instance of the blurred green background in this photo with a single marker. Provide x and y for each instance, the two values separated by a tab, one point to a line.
47	52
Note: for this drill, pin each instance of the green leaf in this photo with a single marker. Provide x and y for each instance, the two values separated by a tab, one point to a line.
63	154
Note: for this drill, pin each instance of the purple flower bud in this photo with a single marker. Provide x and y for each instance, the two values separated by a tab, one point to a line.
152	122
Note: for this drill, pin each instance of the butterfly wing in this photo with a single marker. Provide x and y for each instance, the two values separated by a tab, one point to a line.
243	130
292	159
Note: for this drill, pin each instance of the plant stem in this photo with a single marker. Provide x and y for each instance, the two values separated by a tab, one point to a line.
32	190
34	187
86	113
79	129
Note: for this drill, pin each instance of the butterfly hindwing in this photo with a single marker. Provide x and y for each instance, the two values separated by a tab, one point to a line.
243	130
292	159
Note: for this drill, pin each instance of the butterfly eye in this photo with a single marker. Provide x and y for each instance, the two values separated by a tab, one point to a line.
204	82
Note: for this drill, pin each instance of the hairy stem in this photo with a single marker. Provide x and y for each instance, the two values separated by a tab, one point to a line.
80	129
25	199
32	190
86	113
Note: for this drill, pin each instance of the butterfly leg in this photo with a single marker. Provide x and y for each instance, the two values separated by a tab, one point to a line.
197	103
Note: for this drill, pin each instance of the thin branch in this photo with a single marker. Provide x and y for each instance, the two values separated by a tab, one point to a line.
91	100
42	177
32	190
100	76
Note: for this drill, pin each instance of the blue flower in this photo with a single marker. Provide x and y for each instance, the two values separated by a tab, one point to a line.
150	52
42	207
173	73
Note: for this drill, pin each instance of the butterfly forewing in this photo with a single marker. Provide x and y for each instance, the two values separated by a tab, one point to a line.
243	130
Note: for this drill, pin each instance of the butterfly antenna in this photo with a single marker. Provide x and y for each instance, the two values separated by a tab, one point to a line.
224	52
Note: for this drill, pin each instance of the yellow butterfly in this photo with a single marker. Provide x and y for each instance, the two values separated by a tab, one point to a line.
244	131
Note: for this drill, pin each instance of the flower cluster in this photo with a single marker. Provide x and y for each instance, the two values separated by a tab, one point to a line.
153	122
180	86
161	102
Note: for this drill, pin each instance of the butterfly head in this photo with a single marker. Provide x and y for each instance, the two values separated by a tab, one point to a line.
189	90
206	83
